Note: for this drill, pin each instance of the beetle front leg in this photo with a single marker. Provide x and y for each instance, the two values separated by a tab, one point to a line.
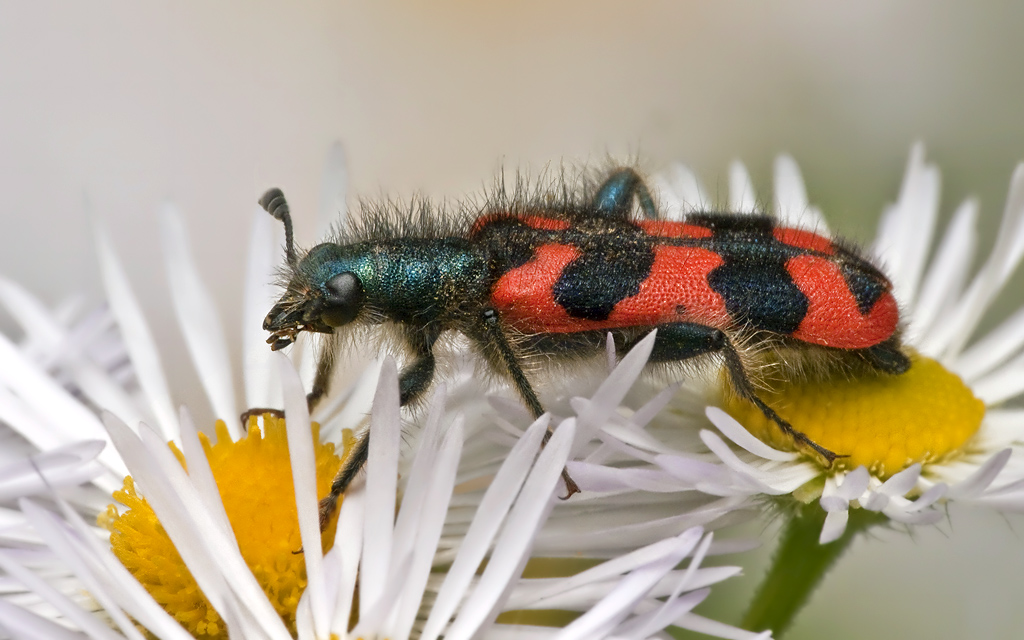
614	198
493	338
325	359
326	356
685	340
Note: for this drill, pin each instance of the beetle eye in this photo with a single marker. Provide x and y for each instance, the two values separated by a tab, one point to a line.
344	299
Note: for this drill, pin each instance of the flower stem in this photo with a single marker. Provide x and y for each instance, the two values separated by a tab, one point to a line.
799	565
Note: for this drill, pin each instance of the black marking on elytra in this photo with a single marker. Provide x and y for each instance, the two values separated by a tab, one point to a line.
753	281
591	285
611	268
865	287
509	242
733	224
760	293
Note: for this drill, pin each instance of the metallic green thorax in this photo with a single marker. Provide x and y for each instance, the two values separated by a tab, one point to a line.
409	280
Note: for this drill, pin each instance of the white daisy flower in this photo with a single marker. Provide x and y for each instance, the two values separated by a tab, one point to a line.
211	552
939	432
911	443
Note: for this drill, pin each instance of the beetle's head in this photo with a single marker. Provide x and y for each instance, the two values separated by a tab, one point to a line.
322	291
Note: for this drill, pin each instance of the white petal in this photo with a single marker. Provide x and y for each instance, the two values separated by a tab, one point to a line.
510	551
975	484
84	620
304	353
262	388
31	399
199	319
901	483
137	337
906	231
131	595
303	465
490	514
854	484
610	394
350	407
945	278
684	183
834	527
953	334
619	603
612	568
209	556
373	622
689	187
834	503
736	432
731	460
430	528
654	406
625	438
690	471
55	344
418	533
1003	384
675	608
742	197
929	497
998	346
381	488
347	549
64	466
791	205
47	525
900	513
25	625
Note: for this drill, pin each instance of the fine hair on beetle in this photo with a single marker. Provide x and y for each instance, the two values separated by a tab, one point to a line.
564	192
538	274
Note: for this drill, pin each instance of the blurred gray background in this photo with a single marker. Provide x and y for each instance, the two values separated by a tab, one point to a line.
207	104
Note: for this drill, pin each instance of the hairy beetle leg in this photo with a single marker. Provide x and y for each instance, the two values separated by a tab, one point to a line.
684	340
493	336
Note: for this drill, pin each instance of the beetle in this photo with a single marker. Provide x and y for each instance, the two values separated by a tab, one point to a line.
552	275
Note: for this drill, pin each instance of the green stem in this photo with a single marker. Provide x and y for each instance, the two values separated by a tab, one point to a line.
799	565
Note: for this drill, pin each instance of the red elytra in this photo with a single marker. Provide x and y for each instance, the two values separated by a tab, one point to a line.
676	291
833	318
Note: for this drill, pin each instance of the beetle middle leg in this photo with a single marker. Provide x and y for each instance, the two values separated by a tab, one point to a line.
414	379
493	338
685	340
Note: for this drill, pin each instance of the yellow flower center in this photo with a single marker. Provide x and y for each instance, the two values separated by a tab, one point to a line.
254	477
882	422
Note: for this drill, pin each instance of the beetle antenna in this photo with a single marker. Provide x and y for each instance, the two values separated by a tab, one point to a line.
273	202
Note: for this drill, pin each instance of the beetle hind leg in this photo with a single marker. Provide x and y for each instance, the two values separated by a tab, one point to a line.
614	198
685	340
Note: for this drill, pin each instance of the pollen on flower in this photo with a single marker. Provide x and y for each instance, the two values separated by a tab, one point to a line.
253	475
882	422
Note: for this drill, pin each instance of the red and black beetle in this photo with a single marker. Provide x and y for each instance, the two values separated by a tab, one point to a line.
554	275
